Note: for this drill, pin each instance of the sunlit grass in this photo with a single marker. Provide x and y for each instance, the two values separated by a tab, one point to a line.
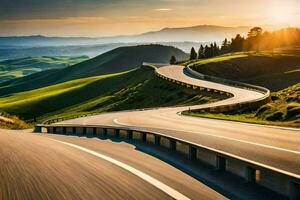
138	88
283	110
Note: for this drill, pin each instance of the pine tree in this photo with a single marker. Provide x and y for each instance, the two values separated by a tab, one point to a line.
206	51
225	46
173	60
216	49
237	43
193	54
211	50
201	52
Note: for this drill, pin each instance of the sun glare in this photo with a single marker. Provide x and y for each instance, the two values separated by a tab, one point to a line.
280	13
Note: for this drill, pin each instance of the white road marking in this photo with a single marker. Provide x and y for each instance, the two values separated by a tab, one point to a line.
156	183
227	138
116	121
244	123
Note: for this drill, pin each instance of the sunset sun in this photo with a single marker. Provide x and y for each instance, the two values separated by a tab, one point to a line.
280	13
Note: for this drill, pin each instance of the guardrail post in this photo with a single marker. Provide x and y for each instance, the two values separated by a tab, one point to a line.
64	130
104	132
294	191
157	140
192	152
84	131
250	174
129	134
117	133
172	145
54	130
38	129
73	131
144	136
220	163
94	132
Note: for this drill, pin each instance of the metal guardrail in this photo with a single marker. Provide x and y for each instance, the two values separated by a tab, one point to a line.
293	178
285	177
227	82
229	107
198	75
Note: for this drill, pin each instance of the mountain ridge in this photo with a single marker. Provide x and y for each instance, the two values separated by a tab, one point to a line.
203	31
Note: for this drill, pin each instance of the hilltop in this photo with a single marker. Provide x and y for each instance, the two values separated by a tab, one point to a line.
274	71
279	72
118	60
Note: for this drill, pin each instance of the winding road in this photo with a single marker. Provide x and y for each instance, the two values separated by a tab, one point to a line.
46	166
275	147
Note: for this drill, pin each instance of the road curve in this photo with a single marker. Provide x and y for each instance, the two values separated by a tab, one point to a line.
61	167
275	147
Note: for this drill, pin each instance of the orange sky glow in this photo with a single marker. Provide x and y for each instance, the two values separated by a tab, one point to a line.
140	16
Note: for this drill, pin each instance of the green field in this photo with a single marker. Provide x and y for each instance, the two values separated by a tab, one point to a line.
274	71
138	88
16	68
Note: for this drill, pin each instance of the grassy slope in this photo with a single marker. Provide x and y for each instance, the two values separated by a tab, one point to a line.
16	68
118	60
283	110
12	122
275	71
120	91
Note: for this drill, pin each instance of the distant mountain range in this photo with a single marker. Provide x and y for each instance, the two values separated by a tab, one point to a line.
202	33
15	52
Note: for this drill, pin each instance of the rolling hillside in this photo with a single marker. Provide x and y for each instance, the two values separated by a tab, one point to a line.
118	60
274	71
279	72
16	68
119	91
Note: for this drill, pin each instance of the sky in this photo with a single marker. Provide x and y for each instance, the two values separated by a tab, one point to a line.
95	18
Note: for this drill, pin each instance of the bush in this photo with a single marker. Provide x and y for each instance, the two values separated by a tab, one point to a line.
277	116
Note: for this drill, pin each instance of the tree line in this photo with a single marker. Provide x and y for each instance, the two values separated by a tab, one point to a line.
256	40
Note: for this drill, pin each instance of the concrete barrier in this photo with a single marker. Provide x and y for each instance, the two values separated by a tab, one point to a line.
254	104
283	183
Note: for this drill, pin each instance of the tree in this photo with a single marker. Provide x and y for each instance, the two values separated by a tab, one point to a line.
254	38
255	32
215	49
193	54
206	51
237	43
225	46
173	60
201	52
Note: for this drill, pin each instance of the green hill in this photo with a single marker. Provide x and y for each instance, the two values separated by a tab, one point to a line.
275	71
138	88
16	68
118	60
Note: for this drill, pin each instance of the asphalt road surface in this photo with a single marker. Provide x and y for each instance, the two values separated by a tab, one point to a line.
276	147
62	167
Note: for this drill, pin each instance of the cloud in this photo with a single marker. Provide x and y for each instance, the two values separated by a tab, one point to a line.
163	9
